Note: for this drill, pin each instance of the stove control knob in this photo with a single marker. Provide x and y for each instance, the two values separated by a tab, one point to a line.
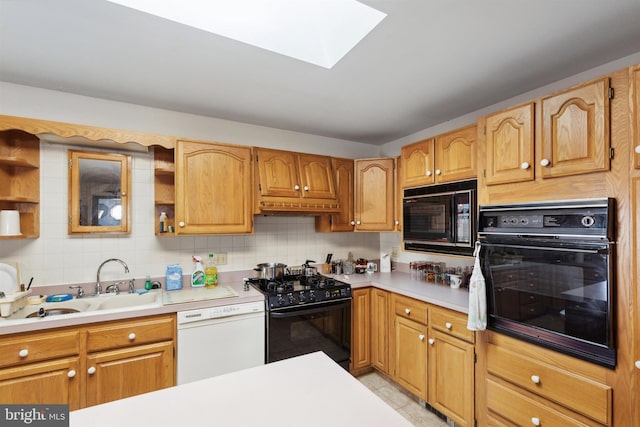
301	297
327	294
291	299
312	295
588	221
280	300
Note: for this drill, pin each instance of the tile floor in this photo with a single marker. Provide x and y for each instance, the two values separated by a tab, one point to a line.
403	402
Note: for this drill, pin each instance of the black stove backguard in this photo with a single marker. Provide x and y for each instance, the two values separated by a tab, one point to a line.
549	271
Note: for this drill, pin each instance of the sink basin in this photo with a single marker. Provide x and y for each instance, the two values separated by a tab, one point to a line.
52	312
128	300
51	309
88	305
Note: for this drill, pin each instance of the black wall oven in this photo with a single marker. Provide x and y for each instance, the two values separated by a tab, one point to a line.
440	218
549	274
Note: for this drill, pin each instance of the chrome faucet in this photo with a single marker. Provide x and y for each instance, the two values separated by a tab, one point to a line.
98	285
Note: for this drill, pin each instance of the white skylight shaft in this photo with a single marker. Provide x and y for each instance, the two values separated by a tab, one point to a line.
320	32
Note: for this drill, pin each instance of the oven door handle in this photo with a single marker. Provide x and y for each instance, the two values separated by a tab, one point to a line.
600	249
316	309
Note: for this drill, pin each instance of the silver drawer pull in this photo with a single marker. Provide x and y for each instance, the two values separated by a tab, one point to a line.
132	336
23	353
535	379
448	325
535	421
407	310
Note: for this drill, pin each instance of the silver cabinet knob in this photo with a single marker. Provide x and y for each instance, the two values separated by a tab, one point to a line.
637	149
71	373
638	364
429	173
438	172
432	341
181	224
353	223
306	188
524	165
397	222
296	187
23	353
535	379
535	421
421	336
545	162
407	310
448	325
358	223
132	336
91	370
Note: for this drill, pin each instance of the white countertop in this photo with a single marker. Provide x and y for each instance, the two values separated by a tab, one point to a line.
402	283
186	299
309	390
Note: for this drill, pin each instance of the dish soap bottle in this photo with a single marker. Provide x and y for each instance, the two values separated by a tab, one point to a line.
198	275
210	273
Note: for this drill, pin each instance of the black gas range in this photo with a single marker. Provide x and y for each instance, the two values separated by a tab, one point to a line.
297	291
305	314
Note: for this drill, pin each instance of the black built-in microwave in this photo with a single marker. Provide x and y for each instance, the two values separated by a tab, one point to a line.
440	218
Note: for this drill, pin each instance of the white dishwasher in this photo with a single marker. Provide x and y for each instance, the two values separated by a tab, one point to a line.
217	340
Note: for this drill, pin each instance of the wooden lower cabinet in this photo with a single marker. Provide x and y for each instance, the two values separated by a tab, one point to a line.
360	330
51	382
451	365
58	366
410	355
380	330
121	373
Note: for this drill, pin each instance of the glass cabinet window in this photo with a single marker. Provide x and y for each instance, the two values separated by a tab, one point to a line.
99	192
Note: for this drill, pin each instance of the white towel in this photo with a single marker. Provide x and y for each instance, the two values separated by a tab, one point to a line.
477	318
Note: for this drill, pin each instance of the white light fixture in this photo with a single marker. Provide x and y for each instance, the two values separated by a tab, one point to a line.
320	32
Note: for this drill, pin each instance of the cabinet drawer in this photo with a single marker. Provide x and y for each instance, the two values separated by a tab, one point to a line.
126	333
451	323
410	308
35	347
523	411
578	393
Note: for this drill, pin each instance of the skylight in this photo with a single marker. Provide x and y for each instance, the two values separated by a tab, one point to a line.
320	32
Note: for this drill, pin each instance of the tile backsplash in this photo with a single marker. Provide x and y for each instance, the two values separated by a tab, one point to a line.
57	258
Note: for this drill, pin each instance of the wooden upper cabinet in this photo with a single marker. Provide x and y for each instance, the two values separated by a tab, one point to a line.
576	130
510	145
343	220
455	155
418	164
316	176
289	174
375	194
213	188
445	158
290	182
635	89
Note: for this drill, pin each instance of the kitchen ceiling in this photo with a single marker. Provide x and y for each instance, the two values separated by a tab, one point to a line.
427	62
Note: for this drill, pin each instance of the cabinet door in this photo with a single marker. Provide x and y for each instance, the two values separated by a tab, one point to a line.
375	195
278	173
410	356
509	145
380	329
213	188
575	130
121	373
455	154
360	329
343	220
44	383
418	164
316	176
635	88
451	377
